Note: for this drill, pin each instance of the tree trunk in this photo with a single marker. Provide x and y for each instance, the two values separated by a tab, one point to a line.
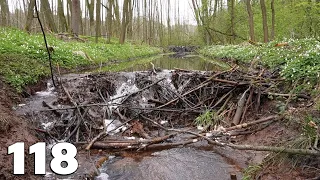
169	24
109	21
90	6
264	21
116	10
75	17
125	12
130	20
45	6
250	20
69	12
98	21
150	22
5	13
62	18
273	20
231	11
30	15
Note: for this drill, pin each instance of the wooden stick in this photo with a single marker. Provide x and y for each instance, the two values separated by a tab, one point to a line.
262	120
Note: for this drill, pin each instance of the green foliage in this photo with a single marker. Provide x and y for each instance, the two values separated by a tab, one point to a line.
19	70
24	58
208	118
300	60
294	19
250	172
235	52
205	119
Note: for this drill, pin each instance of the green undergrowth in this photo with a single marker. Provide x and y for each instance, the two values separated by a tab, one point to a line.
24	59
300	60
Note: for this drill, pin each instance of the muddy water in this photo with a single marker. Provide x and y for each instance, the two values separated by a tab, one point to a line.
174	164
189	162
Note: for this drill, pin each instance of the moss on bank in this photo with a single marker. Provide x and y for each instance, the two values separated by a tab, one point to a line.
23	57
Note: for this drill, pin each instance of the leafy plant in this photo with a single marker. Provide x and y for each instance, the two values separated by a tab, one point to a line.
297	61
208	118
251	171
205	119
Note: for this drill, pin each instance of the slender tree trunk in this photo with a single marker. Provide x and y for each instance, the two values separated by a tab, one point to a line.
90	8
168	23
116	10
145	26
264	21
76	17
150	22
45	6
125	12
250	20
98	21
231	11
62	18
5	13
130	20
69	12
138	20
273	20
109	21
30	15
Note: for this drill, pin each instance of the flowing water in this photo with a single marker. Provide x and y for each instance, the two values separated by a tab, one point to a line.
191	162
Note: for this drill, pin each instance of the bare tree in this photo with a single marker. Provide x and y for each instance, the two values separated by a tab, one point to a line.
45	7
109	20
31	5
250	20
125	20
76	17
264	21
5	13
90	7
232	17
98	20
273	19
62	18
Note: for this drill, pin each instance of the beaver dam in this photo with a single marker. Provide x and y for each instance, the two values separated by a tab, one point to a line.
154	117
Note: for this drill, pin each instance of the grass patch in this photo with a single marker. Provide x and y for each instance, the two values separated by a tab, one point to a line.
24	59
300	60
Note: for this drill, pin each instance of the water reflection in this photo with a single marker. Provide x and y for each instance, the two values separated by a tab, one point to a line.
168	62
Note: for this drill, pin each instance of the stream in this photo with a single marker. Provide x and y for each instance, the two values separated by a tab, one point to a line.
196	161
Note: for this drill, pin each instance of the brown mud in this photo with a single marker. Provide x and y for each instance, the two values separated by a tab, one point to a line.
13	129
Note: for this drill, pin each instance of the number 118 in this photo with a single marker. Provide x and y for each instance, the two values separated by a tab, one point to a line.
61	152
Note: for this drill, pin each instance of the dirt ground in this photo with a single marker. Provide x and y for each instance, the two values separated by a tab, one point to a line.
277	134
13	129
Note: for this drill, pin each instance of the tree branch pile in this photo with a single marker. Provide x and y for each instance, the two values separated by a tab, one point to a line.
146	110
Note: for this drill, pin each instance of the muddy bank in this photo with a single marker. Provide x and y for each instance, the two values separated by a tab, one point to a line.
13	129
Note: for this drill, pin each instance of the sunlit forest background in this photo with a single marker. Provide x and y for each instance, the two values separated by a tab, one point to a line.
169	22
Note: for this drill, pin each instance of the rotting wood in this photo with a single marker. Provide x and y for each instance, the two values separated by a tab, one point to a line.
240	106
